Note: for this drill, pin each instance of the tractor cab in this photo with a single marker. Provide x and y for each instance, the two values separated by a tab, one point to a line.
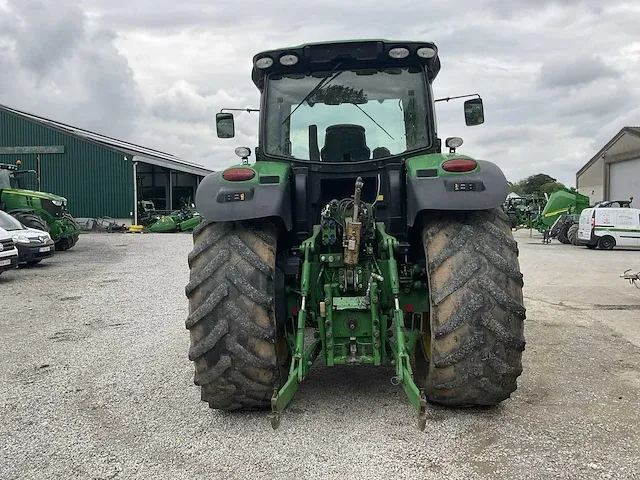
6	179
11	177
347	102
339	111
7	176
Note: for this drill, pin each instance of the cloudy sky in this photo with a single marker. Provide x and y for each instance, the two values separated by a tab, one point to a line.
558	78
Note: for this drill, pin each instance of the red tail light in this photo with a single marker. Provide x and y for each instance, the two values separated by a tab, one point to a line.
238	174
459	165
593	222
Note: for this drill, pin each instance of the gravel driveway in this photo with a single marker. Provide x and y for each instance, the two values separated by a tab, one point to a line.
95	382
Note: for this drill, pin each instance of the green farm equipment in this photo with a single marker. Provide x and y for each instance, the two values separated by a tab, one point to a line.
147	213
159	221
562	201
43	211
380	247
522	211
561	211
179	221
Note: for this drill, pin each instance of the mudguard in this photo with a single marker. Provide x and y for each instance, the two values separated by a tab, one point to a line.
482	190
221	201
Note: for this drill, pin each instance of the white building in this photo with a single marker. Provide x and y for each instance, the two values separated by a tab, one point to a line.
614	172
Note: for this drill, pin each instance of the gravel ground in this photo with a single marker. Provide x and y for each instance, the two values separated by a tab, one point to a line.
95	382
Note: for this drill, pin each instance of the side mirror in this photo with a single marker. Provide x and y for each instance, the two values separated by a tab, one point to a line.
224	125
473	112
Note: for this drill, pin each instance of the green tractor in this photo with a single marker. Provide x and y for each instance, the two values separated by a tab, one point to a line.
147	213
43	211
523	210
369	239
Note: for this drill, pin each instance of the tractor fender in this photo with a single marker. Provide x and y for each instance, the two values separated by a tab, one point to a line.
484	189
220	201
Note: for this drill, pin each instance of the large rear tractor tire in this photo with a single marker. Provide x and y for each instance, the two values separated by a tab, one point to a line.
473	355
239	356
572	234
31	220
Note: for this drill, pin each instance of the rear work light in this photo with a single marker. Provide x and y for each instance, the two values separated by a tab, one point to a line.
238	174
459	165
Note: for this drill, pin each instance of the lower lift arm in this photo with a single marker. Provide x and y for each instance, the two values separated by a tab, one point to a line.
302	359
404	374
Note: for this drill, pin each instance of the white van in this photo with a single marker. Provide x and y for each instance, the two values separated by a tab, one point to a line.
8	252
607	227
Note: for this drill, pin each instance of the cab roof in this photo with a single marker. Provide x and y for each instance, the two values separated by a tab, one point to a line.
352	53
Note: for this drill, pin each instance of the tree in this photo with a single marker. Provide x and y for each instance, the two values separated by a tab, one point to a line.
533	183
536	185
551	187
515	188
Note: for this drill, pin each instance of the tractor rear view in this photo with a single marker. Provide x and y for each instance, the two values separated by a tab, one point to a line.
39	210
354	225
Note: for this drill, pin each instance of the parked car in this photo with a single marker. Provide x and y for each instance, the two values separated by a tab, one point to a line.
33	245
8	252
606	228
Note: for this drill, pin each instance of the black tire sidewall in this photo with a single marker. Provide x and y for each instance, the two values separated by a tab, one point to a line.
606	243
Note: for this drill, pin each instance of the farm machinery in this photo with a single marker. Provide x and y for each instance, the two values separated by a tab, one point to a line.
39	210
553	217
522	211
158	221
355	239
561	215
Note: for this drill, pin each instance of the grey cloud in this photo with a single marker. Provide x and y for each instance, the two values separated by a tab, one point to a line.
63	69
573	71
599	103
149	17
181	103
46	36
113	97
519	8
194	57
510	134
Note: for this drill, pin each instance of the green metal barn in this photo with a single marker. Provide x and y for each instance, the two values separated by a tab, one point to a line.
94	172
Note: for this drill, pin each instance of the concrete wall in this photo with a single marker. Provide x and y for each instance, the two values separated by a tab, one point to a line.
624	180
595	193
625	144
595	181
591	182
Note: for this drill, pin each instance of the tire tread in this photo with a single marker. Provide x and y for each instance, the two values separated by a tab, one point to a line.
477	310
235	359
